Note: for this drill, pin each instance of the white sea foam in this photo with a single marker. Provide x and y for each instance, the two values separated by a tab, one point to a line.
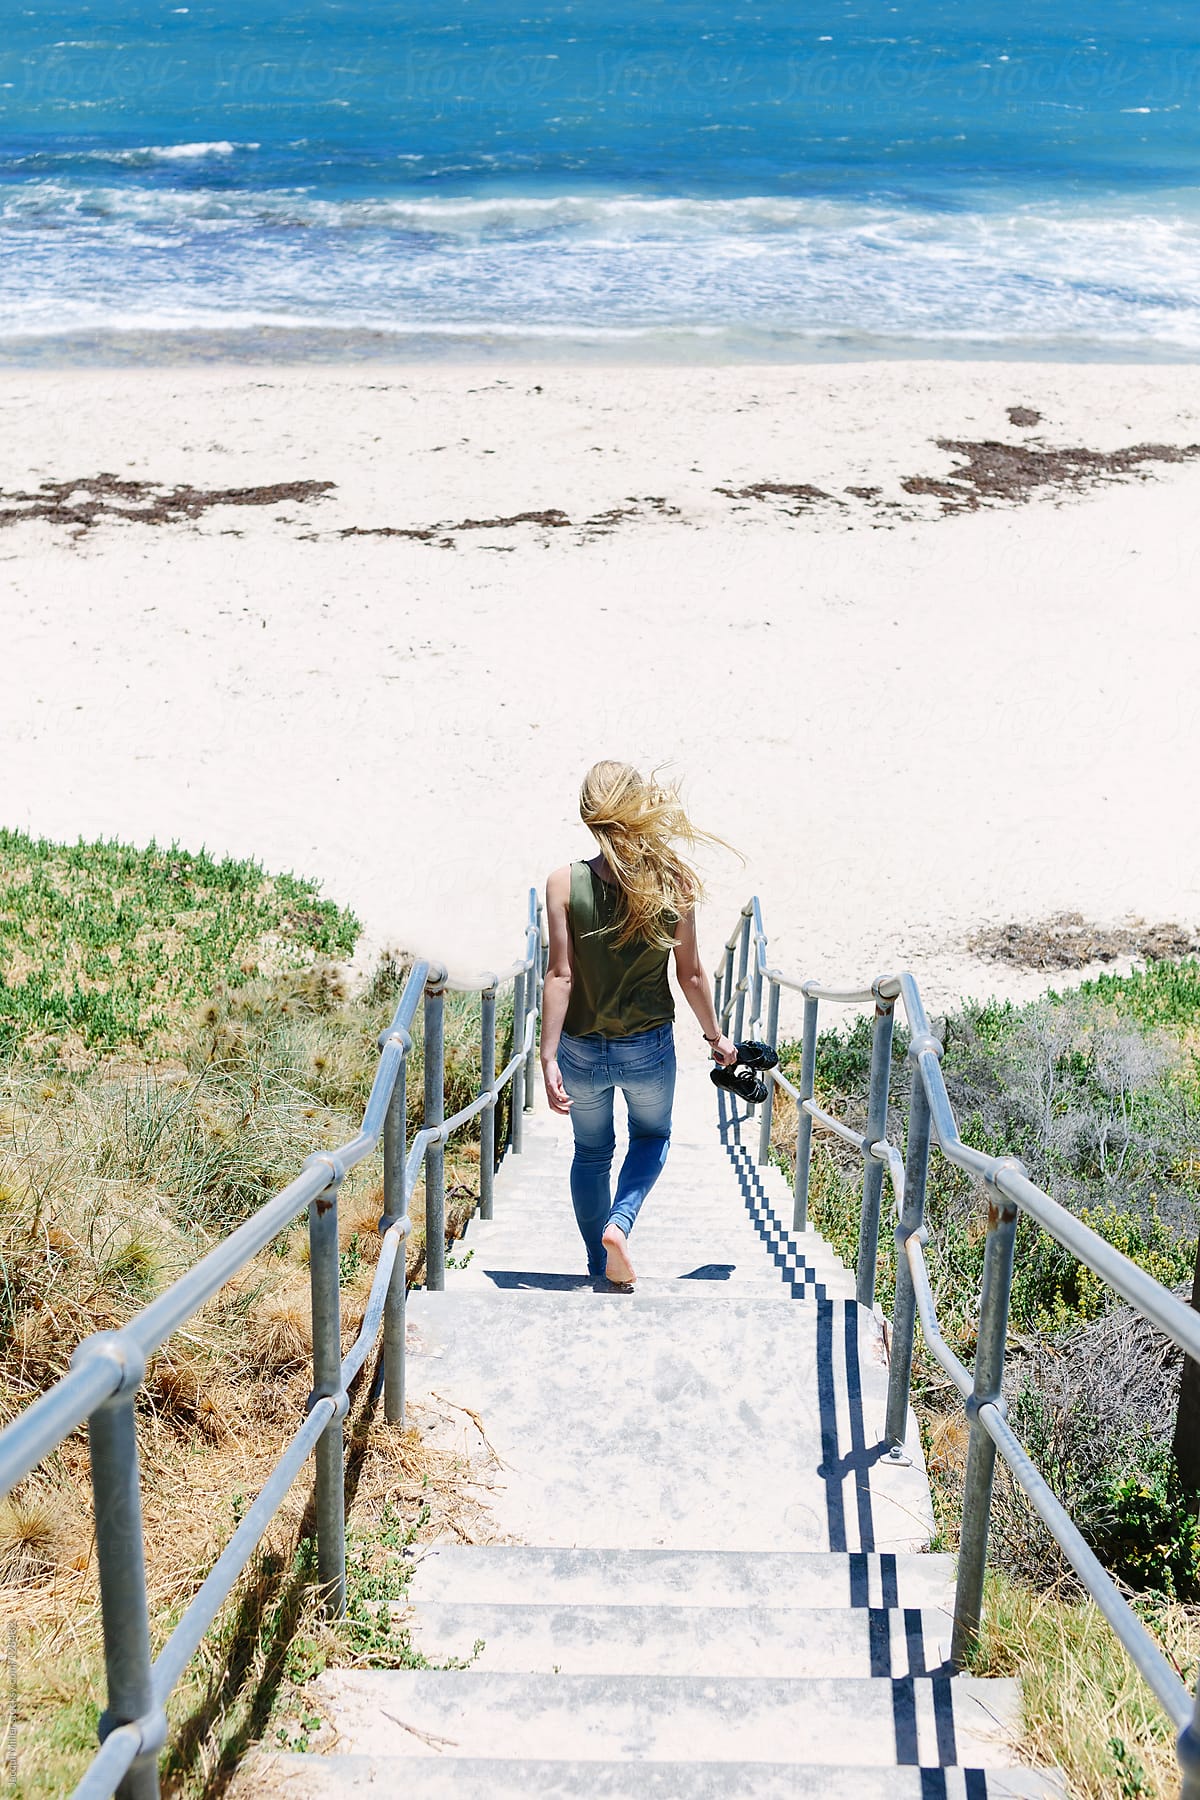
133	156
187	152
591	265
597	217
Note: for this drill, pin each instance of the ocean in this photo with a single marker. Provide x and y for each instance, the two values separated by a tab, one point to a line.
676	179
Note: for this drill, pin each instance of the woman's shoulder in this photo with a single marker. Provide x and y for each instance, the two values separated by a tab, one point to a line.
558	884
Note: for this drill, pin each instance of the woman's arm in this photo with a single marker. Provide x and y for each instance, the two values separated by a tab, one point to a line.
693	983
556	991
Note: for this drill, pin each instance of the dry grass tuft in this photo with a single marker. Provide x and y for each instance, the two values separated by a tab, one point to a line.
279	1330
33	1538
945	1436
1086	1709
180	1387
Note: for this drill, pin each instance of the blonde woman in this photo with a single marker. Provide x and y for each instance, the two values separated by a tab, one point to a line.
607	1019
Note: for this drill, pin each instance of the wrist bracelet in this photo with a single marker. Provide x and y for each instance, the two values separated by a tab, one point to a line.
711	1040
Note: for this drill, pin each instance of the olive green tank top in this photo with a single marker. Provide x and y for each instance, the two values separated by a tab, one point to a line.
615	990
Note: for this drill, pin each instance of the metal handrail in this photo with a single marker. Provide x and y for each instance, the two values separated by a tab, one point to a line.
107	1369
931	1121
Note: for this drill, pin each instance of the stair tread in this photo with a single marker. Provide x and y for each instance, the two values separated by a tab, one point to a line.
298	1777
566	1637
711	1577
728	1426
936	1720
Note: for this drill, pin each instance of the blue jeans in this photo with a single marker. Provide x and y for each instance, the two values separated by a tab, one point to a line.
593	1067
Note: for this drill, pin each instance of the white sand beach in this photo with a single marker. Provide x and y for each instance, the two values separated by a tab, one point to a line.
912	723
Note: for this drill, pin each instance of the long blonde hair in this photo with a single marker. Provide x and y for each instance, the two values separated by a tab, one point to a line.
636	820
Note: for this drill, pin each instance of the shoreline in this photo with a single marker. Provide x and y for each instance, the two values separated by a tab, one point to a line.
458	585
231	352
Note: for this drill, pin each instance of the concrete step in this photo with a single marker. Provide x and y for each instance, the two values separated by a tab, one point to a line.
475	1778
511	1574
685	1164
515	1246
935	1721
512	1240
694	1232
685	1150
713	1187
485	1277
714	1174
757	1426
694	1280
691	1223
696	1243
685	1640
711	1197
715	1195
689	1245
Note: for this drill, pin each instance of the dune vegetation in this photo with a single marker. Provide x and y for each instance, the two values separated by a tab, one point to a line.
1097	1090
176	1035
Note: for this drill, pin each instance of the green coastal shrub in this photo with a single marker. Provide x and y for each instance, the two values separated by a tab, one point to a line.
1098	1092
1053	1290
1153	1540
1163	993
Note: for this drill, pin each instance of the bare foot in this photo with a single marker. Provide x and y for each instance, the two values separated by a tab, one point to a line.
620	1269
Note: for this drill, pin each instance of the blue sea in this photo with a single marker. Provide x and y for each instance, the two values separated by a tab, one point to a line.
691	179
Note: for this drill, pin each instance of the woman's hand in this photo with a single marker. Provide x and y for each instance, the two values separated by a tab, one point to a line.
724	1052
556	1093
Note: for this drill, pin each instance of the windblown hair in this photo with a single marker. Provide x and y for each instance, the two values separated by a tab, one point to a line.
637	821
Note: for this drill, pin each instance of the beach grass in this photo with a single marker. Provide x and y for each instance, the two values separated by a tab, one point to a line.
136	1129
1086	1709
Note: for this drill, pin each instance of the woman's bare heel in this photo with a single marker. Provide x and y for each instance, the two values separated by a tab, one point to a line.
620	1269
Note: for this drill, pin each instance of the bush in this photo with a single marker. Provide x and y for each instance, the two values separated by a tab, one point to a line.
1097	1092
843	1063
1152	1540
1089	1408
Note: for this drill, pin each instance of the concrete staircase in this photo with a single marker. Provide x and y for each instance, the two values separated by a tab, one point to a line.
716	1584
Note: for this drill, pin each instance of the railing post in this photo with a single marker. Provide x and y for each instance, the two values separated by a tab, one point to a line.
1187	1751
325	1283
726	989
120	1556
804	1125
910	1223
517	1103
768	1106
739	1011
395	1147
435	1155
756	981
877	1102
981	1451
533	997
487	1118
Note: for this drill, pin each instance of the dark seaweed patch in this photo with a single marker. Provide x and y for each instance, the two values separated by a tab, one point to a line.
84	502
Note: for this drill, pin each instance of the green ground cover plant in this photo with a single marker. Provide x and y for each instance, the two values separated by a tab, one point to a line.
102	946
136	1128
1097	1090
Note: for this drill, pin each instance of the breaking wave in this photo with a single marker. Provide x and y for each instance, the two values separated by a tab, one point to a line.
82	256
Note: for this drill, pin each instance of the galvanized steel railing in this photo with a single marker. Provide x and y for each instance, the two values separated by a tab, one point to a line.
107	1370
741	982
